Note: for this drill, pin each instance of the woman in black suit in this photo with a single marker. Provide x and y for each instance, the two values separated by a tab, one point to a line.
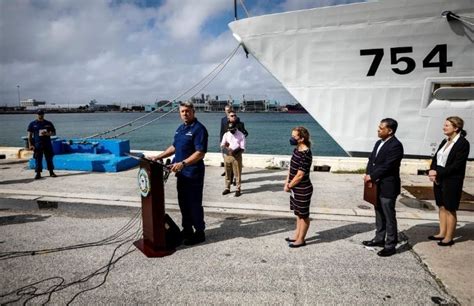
448	169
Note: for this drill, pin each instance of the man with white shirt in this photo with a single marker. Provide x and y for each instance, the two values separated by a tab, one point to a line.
383	170
233	145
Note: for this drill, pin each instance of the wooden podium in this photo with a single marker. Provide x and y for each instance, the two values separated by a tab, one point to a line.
150	182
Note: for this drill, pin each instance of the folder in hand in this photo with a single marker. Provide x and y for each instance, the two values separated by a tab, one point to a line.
370	193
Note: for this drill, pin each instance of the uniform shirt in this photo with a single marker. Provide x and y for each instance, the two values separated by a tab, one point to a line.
188	139
37	128
235	141
443	154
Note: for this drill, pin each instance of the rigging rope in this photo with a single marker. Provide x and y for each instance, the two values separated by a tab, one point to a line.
449	14
227	60
223	63
463	20
243	6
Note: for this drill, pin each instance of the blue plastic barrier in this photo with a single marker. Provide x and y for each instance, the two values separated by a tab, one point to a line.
99	155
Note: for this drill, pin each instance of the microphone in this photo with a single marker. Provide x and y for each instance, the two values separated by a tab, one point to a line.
166	170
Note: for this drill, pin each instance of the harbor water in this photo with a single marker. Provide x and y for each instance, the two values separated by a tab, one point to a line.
268	132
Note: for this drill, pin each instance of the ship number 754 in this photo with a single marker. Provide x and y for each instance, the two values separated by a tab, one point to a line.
430	61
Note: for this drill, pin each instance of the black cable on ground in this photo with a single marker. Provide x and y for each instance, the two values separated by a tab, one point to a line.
112	239
31	291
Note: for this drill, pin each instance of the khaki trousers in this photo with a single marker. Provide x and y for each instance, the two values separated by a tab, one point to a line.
233	166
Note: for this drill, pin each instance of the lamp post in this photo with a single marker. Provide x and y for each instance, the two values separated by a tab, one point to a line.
19	101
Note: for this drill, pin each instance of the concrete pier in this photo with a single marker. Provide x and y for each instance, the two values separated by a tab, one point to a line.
266	161
244	260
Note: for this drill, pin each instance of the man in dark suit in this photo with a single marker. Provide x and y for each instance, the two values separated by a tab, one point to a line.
225	122
383	169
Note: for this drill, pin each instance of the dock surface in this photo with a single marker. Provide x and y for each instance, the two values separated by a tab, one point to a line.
244	260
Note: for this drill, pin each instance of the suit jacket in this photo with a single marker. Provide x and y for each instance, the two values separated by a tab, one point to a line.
239	125
456	162
451	177
384	168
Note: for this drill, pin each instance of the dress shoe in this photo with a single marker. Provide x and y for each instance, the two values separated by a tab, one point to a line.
196	238
373	243
187	233
223	174
288	239
237	193
292	245
37	176
52	174
449	243
386	252
435	238
227	191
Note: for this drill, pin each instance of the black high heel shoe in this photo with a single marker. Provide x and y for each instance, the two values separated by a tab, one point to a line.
292	245
449	243
435	238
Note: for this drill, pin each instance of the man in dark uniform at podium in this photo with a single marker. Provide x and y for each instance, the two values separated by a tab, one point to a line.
39	140
189	148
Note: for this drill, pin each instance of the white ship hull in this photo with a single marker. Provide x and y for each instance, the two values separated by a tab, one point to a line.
328	59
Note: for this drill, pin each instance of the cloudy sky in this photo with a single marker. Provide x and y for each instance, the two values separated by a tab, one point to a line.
128	52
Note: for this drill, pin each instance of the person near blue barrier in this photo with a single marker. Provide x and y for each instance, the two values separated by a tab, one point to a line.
189	148
39	140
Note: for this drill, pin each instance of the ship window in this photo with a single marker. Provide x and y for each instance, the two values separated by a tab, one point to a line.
453	92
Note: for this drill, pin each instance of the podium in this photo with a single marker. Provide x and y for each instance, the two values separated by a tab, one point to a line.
155	222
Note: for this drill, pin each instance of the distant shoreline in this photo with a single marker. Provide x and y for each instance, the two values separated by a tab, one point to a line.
29	112
46	111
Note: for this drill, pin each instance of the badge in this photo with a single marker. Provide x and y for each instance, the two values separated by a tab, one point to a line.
144	182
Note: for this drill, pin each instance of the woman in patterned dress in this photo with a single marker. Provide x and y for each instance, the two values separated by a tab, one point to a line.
298	183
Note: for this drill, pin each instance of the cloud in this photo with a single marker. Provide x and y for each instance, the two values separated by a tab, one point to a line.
185	19
56	33
75	51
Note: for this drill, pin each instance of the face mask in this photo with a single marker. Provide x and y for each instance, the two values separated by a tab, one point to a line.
293	141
